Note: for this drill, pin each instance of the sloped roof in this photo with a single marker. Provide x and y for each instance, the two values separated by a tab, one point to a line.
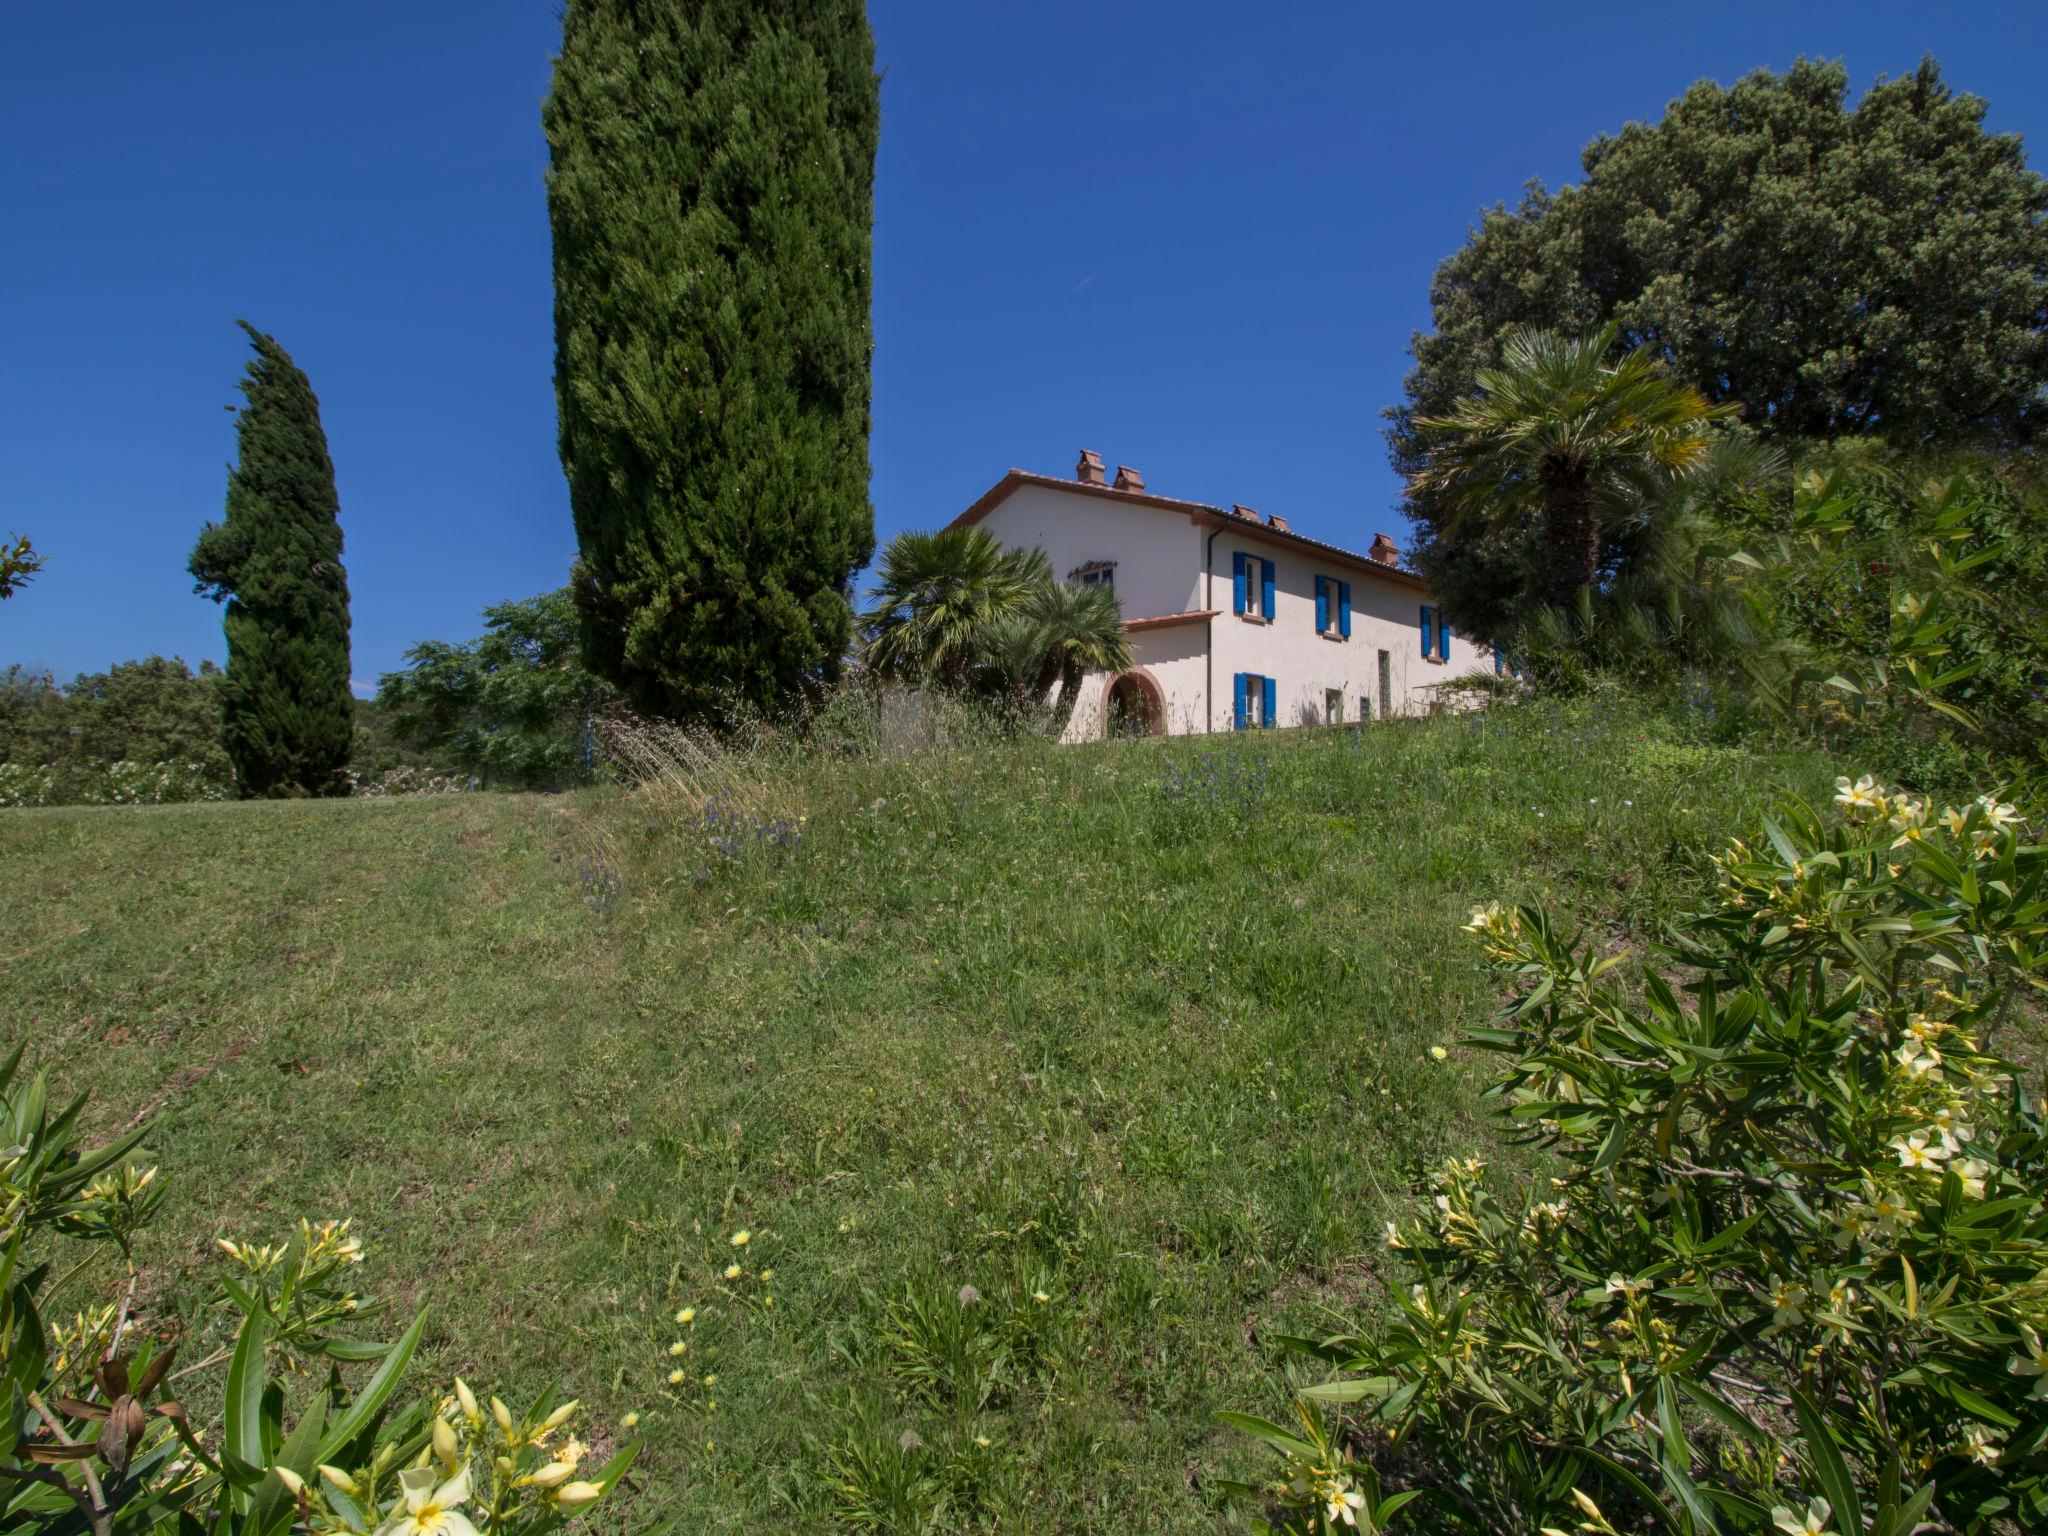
1197	511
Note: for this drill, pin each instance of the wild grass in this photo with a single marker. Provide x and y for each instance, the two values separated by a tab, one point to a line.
1047	1083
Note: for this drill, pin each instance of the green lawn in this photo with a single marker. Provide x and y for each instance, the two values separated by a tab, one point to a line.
1143	1029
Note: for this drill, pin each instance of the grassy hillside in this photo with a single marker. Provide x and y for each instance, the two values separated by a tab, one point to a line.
1046	1083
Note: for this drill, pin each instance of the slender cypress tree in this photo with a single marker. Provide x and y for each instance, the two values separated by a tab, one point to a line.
711	192
287	716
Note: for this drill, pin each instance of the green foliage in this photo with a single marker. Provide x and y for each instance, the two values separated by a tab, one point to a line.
97	1441
142	732
275	560
711	194
1558	448
1789	1256
936	594
97	782
155	710
1892	606
1835	271
19	563
1907	599
957	610
512	707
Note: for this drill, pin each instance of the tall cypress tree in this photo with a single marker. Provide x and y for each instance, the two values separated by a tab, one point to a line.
287	716
711	192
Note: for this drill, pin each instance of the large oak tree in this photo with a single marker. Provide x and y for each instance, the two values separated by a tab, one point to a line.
1836	270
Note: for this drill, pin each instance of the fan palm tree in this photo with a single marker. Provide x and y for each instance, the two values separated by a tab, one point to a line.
1562	432
935	594
1062	633
1080	630
1010	656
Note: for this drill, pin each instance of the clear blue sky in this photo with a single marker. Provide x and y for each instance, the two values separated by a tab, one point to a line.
1193	236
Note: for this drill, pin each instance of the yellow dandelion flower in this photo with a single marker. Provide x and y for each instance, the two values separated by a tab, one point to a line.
687	1315
741	1238
732	1271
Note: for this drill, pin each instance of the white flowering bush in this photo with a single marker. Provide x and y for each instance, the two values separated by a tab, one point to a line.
108	783
1783	1263
393	782
313	1431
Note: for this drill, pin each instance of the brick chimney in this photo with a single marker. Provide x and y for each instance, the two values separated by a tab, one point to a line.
1089	470
1273	520
1239	509
1384	550
1128	479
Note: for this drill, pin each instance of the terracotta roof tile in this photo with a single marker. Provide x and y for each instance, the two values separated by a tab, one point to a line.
1199	511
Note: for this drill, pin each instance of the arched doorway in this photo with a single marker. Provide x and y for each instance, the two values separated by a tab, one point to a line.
1133	706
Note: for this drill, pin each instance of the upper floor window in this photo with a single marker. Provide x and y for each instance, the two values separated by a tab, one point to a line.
1436	635
1251	589
1096	573
1333	607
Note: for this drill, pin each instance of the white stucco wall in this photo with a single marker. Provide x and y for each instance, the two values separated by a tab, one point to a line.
1158	553
1304	664
1175	659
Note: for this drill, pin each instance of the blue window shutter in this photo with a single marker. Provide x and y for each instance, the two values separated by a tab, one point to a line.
1498	666
1267	690
1266	589
1443	639
1428	638
1238	708
1344	609
1322	604
1237	580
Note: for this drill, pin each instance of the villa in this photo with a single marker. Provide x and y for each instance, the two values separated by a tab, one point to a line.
1235	621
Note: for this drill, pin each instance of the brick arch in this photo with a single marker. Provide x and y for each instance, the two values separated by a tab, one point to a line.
1154	697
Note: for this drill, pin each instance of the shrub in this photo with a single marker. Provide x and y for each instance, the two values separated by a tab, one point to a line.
100	783
311	1432
95	740
511	707
406	781
1783	1265
1901	600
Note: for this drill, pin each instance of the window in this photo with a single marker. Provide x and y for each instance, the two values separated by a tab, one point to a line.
1251	586
1333	608
1253	707
1333	706
1096	573
1436	635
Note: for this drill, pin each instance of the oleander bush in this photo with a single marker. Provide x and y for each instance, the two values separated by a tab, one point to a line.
1781	1264
311	1428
